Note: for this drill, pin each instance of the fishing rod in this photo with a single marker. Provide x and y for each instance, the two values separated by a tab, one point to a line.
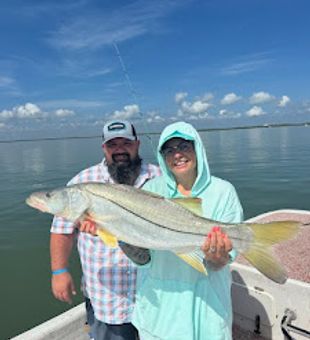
132	92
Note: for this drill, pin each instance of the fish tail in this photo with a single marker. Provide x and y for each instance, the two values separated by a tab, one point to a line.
263	261
274	232
266	235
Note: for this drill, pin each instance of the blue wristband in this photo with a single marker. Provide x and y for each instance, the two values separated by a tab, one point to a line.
60	271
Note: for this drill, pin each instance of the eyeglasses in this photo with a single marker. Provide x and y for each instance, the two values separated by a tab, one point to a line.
185	146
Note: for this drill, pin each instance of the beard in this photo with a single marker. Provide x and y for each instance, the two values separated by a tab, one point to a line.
125	170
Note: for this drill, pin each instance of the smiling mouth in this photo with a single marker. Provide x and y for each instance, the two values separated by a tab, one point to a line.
180	163
121	158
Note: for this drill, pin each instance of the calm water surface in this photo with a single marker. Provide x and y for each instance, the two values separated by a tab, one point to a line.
269	168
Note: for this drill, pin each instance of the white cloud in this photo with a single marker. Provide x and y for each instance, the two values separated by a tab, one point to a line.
179	97
207	97
260	97
2	126
64	113
154	119
244	67
33	111
223	112
8	85
230	98
94	30
128	112
229	114
284	101
28	110
6	114
197	107
154	116
248	63
255	111
6	81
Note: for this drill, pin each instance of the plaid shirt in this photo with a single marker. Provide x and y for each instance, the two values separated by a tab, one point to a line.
109	277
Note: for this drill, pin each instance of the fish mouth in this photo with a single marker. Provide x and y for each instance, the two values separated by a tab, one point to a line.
36	203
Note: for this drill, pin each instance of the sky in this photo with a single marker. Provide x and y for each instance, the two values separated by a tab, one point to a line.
66	67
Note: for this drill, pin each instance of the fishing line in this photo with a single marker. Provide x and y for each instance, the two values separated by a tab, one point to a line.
133	93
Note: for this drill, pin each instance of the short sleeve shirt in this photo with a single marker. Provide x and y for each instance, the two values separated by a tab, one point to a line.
109	277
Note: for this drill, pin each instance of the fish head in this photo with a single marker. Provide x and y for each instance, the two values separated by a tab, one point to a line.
68	202
53	202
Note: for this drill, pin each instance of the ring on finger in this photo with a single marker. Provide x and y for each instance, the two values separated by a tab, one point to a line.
212	250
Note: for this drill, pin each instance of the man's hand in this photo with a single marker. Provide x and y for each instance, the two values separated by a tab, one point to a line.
216	248
88	226
63	287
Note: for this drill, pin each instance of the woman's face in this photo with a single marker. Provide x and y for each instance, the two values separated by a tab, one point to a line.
180	157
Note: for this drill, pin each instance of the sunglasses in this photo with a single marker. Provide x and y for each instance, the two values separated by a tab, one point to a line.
185	146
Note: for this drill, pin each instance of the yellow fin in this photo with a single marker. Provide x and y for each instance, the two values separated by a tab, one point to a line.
262	260
108	239
192	204
195	260
274	232
267	234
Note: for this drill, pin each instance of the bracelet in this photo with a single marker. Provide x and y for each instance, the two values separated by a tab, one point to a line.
60	271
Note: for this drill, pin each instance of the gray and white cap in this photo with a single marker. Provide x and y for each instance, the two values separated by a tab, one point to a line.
118	129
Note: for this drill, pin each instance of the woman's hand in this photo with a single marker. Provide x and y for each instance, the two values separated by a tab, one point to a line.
216	248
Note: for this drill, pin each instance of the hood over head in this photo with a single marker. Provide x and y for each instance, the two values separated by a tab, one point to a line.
188	132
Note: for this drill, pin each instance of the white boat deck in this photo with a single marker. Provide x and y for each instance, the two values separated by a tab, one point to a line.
259	304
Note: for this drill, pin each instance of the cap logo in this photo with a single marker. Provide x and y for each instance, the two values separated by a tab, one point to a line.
116	126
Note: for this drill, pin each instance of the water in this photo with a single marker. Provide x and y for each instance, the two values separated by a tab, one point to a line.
269	168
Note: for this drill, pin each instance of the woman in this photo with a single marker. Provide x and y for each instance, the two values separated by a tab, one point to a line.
174	301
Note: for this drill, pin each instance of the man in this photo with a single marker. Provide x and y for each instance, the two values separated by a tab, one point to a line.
109	277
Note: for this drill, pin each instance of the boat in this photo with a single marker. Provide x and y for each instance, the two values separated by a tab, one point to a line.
262	308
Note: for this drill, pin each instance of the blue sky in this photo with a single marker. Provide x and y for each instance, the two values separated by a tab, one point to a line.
213	63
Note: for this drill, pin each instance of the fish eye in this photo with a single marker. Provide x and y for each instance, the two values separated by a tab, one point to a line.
48	195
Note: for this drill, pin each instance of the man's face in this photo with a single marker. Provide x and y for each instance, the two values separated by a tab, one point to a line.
122	159
121	151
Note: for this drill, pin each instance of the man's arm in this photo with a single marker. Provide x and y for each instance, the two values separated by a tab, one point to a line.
60	251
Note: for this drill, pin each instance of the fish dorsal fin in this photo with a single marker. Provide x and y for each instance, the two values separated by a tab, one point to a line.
192	204
194	259
108	239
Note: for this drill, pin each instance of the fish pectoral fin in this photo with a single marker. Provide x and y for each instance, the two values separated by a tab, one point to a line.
108	239
194	259
192	204
138	255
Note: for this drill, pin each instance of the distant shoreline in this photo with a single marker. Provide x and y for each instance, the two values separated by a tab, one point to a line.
264	126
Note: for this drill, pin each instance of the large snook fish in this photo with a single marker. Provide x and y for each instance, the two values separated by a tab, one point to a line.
146	220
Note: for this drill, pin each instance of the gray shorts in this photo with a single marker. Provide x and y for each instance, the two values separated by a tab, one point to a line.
103	331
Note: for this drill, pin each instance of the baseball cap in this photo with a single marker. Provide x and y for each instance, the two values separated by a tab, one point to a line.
118	129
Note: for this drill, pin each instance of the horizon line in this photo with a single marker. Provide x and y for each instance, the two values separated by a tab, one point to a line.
273	125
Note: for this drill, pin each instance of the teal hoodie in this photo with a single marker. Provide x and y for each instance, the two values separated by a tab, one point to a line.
173	300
